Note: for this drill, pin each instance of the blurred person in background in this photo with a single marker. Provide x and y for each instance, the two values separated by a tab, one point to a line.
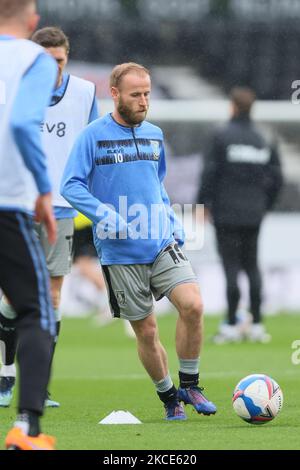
240	183
72	106
122	156
86	288
28	75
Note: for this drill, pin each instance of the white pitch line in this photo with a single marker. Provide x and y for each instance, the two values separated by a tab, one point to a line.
205	375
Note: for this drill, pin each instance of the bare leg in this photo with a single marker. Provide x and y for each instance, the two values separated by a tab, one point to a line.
151	352
189	337
56	286
189	330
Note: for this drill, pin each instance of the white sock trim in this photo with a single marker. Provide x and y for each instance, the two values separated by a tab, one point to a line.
7	310
8	371
189	366
163	385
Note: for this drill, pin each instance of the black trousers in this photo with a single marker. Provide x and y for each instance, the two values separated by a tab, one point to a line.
25	282
238	250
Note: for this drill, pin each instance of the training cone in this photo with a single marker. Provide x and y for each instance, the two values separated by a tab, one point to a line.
120	417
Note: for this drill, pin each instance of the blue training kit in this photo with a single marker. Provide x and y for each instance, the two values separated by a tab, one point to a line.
114	176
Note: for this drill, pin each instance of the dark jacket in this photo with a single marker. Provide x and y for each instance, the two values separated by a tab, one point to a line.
242	175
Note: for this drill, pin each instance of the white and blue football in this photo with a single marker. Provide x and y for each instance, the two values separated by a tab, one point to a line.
257	399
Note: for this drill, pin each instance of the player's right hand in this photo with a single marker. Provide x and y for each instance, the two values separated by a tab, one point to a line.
44	214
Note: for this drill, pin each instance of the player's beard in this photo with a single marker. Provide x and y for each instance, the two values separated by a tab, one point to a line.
132	118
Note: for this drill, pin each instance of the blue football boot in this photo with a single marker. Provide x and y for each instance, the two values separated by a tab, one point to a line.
194	396
174	411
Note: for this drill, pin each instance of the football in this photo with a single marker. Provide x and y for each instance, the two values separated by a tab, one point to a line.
257	399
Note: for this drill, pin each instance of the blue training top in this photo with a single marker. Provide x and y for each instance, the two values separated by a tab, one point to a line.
114	176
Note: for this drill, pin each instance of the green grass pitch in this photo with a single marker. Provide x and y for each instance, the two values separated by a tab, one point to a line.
97	371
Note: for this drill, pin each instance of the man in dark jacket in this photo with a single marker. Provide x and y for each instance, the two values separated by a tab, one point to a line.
241	180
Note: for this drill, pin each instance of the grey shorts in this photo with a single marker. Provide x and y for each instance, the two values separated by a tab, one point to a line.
59	255
131	287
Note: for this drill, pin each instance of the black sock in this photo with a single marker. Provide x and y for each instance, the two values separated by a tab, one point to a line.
33	419
8	336
53	350
56	339
169	395
188	380
58	323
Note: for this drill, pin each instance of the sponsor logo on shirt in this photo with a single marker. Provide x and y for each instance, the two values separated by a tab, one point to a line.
238	153
58	129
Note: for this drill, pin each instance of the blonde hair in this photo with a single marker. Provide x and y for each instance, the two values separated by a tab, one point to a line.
121	70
